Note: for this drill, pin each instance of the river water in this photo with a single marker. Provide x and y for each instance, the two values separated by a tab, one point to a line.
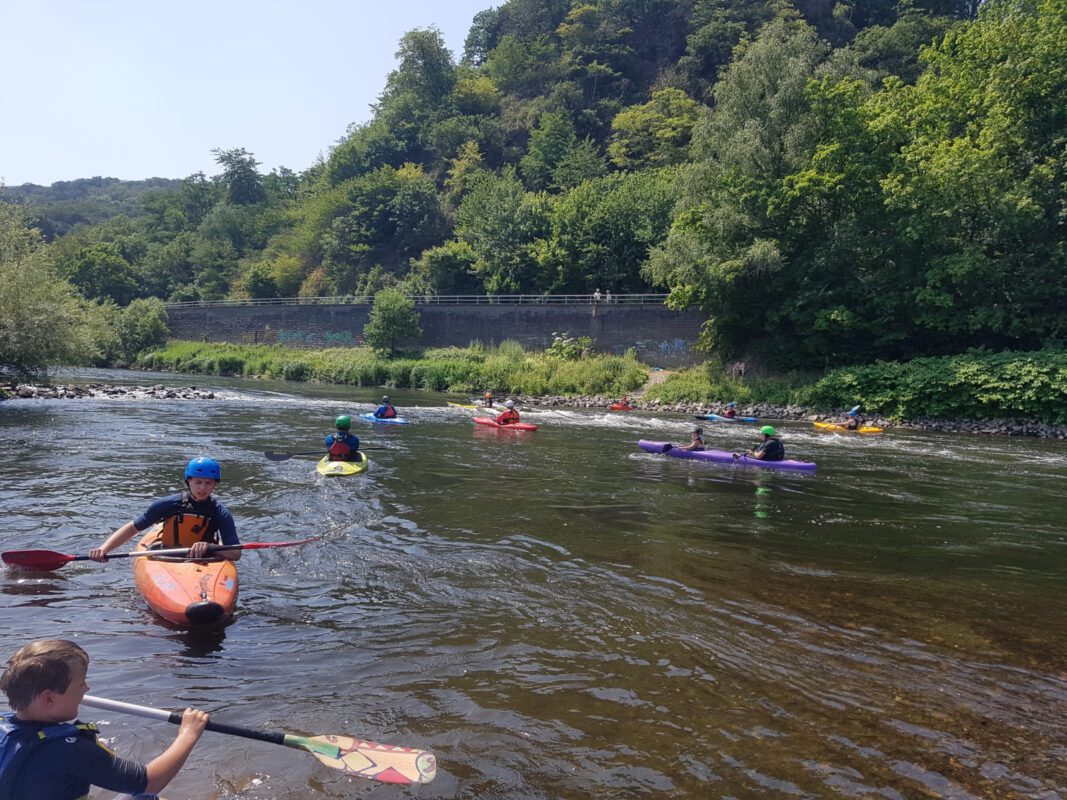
560	615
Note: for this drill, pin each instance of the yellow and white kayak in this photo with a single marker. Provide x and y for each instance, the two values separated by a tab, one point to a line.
342	468
834	427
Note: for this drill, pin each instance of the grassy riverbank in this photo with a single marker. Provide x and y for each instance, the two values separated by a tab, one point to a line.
507	368
974	385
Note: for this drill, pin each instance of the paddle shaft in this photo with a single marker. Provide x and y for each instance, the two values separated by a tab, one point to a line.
175	718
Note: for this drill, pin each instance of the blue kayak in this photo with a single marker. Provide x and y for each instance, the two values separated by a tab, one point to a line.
720	418
386	420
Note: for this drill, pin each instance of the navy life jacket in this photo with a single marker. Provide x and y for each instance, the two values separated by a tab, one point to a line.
18	741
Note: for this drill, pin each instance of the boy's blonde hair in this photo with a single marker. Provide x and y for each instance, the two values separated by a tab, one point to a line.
44	664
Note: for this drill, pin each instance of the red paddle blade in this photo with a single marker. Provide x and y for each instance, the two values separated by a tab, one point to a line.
261	545
39	560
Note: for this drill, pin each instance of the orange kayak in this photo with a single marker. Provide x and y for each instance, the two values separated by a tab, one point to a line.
185	592
621	407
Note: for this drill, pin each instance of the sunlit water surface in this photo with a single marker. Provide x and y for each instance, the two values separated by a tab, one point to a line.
560	615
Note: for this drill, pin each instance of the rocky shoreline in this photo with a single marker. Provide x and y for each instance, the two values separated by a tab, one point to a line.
987	427
27	391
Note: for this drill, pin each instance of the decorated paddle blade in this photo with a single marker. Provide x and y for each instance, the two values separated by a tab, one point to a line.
38	560
358	757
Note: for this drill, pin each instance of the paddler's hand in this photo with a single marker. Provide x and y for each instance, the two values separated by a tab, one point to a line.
198	550
98	554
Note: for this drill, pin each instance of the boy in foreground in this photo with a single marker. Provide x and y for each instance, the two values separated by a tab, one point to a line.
47	756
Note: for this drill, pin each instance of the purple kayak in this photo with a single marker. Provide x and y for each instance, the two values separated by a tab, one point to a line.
723	457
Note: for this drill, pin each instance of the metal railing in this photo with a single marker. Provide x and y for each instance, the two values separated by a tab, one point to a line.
437	299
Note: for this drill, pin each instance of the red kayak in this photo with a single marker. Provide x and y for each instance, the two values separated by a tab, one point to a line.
514	426
622	407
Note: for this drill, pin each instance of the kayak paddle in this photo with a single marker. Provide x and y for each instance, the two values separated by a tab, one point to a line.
273	456
49	560
358	757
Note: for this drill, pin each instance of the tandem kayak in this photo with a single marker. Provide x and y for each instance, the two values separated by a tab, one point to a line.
184	592
720	418
835	428
386	420
723	457
514	426
342	468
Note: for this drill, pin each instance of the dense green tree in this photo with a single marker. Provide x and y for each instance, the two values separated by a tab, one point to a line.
244	184
101	273
393	321
550	142
43	320
655	134
502	224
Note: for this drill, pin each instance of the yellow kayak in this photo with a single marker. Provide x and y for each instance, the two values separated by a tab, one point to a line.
833	426
342	468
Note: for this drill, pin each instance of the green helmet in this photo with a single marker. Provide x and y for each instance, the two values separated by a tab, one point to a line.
343	422
767	429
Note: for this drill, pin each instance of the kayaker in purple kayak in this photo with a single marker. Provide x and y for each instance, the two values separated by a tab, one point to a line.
695	443
770	447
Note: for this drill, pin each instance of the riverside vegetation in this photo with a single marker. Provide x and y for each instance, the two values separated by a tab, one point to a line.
976	385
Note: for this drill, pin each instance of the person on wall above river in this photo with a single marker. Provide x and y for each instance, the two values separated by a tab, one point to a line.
193	519
46	754
344	446
770	447
385	410
510	416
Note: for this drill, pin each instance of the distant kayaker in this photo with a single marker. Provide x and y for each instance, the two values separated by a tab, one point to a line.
510	416
852	419
487	400
344	446
385	410
730	412
193	519
54	757
770	447
696	441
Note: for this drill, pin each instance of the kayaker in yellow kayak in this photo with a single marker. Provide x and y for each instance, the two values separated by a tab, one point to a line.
852	419
344	446
193	519
45	682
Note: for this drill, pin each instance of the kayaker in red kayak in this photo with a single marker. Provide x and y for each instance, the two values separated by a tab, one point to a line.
510	416
344	446
57	756
770	447
193	519
695	443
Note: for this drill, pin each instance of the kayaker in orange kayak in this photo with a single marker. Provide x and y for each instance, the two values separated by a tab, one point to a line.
193	519
510	416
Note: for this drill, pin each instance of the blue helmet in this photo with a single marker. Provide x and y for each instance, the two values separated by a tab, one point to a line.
203	468
730	404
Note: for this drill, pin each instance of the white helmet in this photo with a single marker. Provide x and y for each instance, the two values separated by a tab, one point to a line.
510	404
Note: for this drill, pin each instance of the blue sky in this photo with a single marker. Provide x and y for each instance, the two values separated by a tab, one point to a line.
146	88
